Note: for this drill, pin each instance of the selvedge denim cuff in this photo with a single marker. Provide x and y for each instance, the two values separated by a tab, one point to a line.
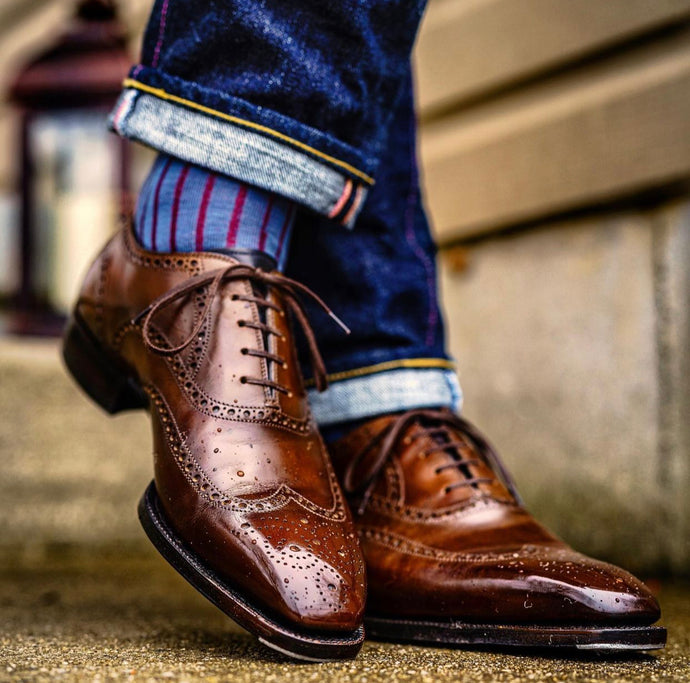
238	139
385	392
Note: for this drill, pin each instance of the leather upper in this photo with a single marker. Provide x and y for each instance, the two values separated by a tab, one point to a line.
240	469
439	526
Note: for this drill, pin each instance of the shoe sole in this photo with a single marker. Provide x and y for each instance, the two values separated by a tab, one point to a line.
115	389
567	637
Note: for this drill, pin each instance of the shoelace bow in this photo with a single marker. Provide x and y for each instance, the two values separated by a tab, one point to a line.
289	288
438	423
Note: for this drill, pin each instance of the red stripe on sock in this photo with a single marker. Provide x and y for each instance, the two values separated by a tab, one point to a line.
156	197
201	218
179	185
264	224
283	231
234	226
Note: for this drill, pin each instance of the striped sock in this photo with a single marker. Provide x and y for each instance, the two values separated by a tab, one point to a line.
182	207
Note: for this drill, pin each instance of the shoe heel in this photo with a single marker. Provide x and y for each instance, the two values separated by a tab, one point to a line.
105	381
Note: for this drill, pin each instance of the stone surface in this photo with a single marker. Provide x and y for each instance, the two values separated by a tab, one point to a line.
672	298
71	473
135	619
556	332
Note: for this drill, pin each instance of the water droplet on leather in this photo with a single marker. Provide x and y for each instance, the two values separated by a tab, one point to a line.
240	473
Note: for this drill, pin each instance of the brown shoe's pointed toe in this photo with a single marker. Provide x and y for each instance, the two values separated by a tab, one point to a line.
556	585
308	564
568	587
440	524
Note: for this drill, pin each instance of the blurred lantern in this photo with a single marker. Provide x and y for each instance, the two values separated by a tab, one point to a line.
74	174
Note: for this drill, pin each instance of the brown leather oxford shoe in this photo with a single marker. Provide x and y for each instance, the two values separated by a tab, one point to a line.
453	558
245	503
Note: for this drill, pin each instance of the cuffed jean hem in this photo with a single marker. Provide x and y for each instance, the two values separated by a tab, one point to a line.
241	149
386	392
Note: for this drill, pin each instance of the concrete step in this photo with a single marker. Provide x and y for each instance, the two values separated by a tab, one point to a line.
573	343
71	474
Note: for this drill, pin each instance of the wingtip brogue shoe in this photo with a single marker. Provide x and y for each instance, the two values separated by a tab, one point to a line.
440	522
245	503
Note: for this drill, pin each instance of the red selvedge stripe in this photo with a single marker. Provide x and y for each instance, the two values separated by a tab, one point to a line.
156	197
355	205
264	224
116	119
201	218
283	231
347	190
234	226
176	206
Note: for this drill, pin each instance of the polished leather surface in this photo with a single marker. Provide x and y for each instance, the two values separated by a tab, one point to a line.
240	469
444	537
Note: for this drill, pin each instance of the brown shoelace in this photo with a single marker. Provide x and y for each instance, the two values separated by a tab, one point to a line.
289	288
441	426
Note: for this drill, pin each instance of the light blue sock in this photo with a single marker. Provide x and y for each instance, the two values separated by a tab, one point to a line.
182	207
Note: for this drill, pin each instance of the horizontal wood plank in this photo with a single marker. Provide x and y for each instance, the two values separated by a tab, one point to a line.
468	47
605	132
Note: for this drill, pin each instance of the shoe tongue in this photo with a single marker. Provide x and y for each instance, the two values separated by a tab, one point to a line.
250	257
256	259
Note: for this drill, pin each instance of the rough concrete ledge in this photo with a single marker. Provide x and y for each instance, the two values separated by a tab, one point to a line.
71	474
573	344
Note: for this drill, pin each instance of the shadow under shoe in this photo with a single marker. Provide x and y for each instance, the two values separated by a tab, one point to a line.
245	504
441	523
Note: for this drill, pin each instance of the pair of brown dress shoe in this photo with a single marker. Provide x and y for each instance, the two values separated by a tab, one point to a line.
246	505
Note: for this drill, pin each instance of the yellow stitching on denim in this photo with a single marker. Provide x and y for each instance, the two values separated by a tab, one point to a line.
162	94
417	363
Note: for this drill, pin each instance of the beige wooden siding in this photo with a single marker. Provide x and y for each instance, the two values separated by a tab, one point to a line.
576	133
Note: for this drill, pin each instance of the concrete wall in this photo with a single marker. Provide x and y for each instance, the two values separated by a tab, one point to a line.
572	340
556	155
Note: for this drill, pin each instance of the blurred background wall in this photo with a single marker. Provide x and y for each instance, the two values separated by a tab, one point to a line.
555	145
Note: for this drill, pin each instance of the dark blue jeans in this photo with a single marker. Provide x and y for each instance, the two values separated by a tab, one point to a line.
313	100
